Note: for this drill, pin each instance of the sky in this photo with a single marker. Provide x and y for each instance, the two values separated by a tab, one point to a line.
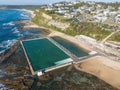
28	2
40	2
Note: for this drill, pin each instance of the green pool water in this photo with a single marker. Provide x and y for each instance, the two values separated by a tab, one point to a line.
42	53
76	50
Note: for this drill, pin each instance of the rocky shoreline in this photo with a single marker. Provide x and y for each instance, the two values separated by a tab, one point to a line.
17	76
8	51
16	67
13	64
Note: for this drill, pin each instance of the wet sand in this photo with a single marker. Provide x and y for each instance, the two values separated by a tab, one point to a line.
103	68
68	78
18	77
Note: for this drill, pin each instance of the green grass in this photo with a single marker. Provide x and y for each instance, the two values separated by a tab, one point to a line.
84	28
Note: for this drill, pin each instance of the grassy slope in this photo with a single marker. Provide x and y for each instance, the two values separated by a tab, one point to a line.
88	29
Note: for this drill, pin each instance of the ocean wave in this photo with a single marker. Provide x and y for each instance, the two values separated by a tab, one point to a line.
2	87
9	27
15	30
2	73
8	24
2	51
24	15
5	45
20	35
8	43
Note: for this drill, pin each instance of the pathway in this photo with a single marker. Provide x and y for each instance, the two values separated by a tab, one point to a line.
75	58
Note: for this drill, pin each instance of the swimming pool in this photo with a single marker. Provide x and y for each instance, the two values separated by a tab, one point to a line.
76	50
42	53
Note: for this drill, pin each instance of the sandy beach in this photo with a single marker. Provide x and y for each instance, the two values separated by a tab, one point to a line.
62	35
103	68
30	11
56	33
31	26
69	38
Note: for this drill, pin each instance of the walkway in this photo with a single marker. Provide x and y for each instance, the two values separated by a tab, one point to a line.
75	58
109	36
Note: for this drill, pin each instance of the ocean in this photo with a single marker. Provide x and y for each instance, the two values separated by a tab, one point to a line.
9	32
11	22
41	2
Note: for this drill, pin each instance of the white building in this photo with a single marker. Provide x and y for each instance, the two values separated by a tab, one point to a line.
100	18
117	19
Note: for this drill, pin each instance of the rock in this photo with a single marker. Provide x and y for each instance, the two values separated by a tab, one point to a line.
69	68
13	84
28	82
24	88
58	79
38	84
19	78
10	71
45	77
83	80
3	79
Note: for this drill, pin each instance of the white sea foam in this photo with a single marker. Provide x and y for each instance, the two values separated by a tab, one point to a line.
2	51
2	73
15	30
24	15
9	24
20	35
2	87
8	43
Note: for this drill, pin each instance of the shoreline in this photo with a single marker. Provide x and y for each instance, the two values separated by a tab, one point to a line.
97	59
4	54
103	68
56	33
29	11
60	34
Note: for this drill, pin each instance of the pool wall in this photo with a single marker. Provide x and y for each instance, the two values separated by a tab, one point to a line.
72	47
30	66
58	64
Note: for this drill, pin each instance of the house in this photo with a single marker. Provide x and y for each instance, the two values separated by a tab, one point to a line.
117	18
49	8
67	15
100	18
106	12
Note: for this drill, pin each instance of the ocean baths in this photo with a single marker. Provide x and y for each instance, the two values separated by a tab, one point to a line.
42	54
